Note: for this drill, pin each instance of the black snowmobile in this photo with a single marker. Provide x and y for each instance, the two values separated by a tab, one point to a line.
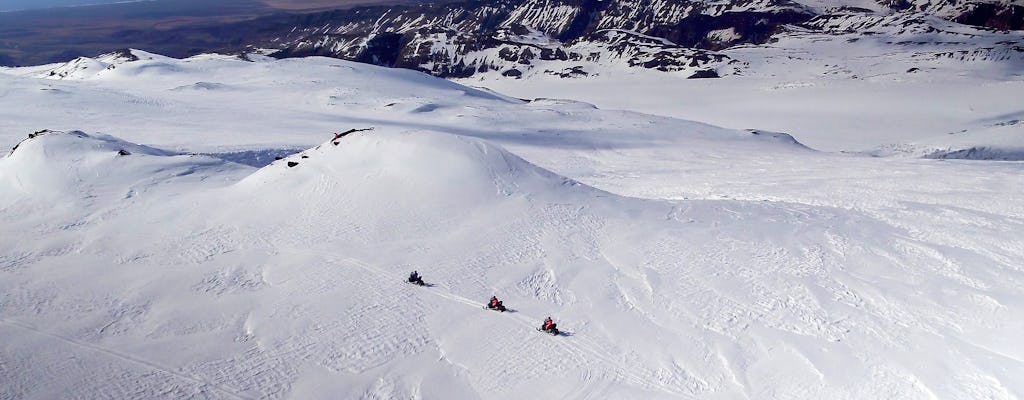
415	278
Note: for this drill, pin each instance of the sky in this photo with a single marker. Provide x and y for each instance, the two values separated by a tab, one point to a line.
9	5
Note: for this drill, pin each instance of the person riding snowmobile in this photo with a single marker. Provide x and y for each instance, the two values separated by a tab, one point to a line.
415	277
495	304
549	325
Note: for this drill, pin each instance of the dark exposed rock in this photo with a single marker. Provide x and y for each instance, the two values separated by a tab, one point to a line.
750	27
337	136
292	164
574	72
383	49
126	55
896	4
514	73
704	73
994	15
854	9
31	136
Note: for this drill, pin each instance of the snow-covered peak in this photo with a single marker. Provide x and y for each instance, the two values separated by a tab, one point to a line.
89	67
79	68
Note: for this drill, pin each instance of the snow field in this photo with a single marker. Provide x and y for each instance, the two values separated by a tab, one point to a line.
685	260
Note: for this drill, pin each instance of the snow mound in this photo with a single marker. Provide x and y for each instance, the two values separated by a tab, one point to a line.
778	137
149	68
62	144
422	166
55	164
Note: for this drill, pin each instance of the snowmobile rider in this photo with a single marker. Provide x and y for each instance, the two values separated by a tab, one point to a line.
414	277
548	324
494	302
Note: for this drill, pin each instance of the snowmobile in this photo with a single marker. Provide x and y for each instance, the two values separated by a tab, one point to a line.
495	305
552	330
549	327
415	278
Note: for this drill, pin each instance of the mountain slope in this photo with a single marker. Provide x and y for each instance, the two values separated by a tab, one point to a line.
461	39
580	38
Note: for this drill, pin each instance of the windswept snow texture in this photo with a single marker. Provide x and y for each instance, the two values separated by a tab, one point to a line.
682	260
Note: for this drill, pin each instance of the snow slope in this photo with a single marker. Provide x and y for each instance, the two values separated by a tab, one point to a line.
684	260
221	104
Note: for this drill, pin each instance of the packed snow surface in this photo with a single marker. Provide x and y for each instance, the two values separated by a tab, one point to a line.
153	248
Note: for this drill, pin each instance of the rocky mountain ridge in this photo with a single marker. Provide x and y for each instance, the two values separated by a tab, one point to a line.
560	37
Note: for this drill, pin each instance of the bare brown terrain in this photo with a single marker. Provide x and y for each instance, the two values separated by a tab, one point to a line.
177	28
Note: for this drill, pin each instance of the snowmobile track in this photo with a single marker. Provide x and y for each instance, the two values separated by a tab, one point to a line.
125	357
579	350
